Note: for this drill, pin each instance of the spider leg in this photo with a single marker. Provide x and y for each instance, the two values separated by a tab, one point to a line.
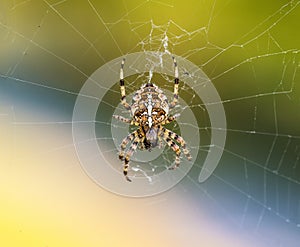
122	87
129	153
176	84
170	119
126	120
170	134
124	143
122	119
175	148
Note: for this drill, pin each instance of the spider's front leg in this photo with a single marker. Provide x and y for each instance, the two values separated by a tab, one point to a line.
170	119
176	85
126	120
122	119
122	87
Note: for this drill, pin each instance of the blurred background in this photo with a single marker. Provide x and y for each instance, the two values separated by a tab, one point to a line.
250	52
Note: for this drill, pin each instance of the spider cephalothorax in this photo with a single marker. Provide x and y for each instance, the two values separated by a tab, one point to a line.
150	111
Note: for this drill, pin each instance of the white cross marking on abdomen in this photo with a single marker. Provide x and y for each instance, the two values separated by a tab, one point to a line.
149	108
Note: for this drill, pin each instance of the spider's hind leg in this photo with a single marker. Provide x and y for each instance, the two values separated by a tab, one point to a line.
135	137
124	143
129	153
176	149
169	136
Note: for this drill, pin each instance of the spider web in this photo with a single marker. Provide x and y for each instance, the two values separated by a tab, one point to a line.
255	69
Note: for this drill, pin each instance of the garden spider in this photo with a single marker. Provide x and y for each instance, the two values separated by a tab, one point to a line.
150	111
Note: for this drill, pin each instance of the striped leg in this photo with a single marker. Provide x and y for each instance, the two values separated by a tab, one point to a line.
129	153
178	139
170	119
175	148
122	87
176	83
124	143
122	119
126	120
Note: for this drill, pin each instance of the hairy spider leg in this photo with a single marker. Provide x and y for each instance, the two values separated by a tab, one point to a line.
126	120
170	119
122	86
174	147
179	139
176	85
129	153
122	119
124	143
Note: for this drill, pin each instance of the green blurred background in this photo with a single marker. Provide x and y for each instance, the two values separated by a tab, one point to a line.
249	50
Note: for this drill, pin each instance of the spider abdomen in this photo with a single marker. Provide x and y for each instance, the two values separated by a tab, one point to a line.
152	136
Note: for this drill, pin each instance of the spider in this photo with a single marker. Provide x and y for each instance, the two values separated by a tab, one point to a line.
150	111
